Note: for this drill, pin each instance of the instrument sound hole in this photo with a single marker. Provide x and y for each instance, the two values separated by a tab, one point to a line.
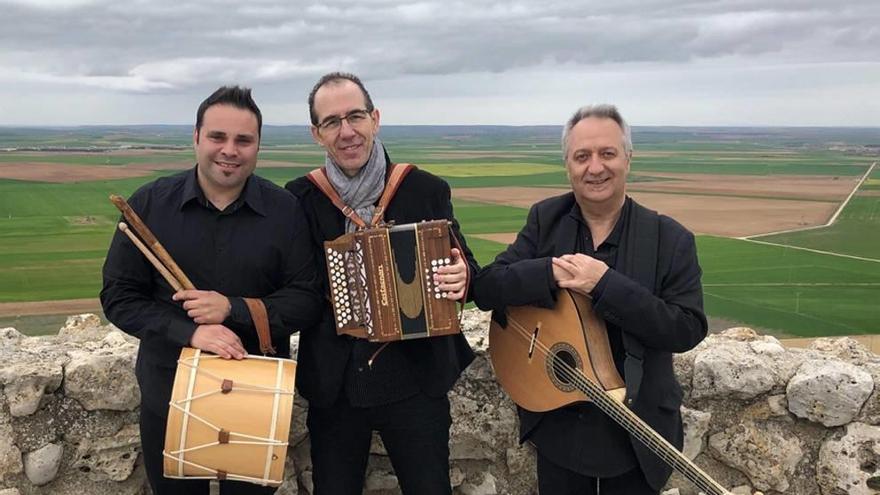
563	363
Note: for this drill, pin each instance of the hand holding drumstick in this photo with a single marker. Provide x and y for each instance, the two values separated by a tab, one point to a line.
207	308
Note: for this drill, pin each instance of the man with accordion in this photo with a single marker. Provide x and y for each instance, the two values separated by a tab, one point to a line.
365	368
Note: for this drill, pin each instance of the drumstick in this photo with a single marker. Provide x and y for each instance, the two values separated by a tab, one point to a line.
173	282
142	230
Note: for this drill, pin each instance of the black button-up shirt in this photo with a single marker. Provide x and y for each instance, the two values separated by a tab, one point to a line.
258	246
609	452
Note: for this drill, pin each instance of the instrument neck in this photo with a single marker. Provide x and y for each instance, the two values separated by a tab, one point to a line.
656	443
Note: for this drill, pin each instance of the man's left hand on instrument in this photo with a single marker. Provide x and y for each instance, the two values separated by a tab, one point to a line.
452	278
585	272
205	307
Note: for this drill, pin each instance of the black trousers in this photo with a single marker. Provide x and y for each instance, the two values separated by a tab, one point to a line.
557	480
415	432
152	443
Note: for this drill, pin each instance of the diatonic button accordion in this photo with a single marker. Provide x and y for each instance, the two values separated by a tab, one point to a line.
381	282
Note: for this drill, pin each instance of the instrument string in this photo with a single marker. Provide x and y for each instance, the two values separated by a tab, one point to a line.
629	420
625	417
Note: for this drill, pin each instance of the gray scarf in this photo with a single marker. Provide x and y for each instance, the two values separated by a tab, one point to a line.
363	190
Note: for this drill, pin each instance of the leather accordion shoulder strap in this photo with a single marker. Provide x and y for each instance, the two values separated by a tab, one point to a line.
398	172
261	322
318	177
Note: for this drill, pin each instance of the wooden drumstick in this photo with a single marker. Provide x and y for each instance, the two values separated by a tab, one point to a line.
154	245
173	282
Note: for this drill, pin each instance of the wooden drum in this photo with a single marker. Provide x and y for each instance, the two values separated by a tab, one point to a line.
229	419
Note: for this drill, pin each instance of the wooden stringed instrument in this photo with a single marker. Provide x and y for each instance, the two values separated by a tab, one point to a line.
549	358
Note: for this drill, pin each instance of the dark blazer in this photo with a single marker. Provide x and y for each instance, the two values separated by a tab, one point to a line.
437	361
655	298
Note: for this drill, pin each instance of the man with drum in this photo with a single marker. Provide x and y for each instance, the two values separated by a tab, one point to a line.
640	270
354	386
235	235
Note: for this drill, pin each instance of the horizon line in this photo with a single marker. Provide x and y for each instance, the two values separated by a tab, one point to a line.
705	126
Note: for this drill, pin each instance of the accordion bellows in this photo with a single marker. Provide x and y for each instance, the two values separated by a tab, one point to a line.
381	282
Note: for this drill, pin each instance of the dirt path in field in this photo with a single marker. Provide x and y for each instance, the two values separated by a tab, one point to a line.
67	307
812	187
66	173
731	206
61	173
714	215
505	238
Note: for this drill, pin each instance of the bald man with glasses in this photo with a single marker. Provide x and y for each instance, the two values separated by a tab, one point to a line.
354	386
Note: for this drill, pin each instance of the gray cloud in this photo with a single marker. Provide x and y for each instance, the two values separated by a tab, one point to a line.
164	45
471	60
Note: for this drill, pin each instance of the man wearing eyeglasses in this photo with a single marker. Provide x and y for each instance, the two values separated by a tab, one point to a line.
355	387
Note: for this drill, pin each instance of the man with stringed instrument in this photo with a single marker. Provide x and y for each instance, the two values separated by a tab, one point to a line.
356	386
237	237
640	271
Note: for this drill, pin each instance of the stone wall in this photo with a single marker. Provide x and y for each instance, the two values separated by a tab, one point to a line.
757	416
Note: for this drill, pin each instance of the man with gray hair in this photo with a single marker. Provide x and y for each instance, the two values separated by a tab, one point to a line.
640	269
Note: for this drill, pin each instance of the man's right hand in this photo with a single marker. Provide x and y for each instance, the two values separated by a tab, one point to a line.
219	340
560	274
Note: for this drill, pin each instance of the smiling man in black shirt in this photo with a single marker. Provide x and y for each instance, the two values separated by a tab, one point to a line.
640	269
235	235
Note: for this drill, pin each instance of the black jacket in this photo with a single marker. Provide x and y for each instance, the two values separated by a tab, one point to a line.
655	297
323	355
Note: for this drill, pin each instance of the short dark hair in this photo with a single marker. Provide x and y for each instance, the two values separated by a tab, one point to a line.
236	96
332	78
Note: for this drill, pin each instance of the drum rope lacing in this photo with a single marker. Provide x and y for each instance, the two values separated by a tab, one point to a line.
226	387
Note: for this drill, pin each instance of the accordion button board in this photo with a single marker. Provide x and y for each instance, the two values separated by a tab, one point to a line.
381	282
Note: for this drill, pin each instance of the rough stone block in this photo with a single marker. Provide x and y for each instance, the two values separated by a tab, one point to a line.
41	465
104	379
829	392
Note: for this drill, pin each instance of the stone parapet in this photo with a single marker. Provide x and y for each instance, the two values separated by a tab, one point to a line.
758	415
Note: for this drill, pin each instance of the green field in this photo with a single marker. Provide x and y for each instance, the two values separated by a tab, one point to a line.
800	292
53	237
819	163
856	231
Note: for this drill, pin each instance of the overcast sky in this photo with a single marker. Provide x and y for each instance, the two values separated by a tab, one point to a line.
663	62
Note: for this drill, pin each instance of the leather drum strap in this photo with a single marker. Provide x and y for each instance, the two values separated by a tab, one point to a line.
261	321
